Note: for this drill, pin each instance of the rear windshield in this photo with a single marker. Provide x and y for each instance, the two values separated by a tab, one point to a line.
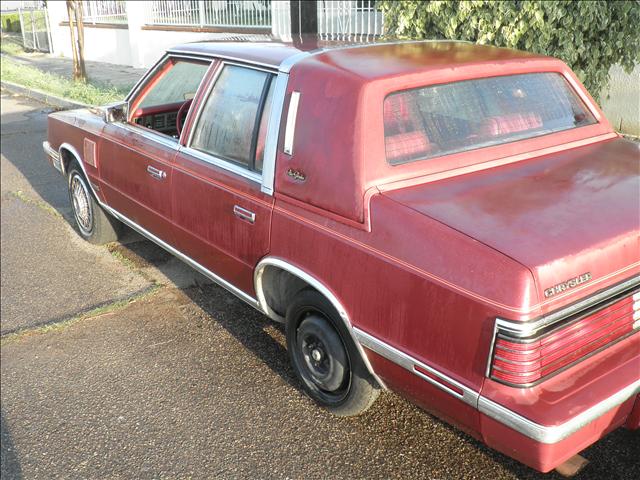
455	117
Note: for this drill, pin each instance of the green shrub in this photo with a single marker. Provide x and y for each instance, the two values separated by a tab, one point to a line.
10	22
590	36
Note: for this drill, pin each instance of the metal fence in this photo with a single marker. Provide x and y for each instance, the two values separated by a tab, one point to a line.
249	14
34	23
348	19
102	11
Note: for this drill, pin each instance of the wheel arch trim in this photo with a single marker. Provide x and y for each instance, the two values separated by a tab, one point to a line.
72	150
320	287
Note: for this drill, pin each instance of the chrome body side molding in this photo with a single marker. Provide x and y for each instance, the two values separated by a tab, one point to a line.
186	259
315	283
541	433
464	393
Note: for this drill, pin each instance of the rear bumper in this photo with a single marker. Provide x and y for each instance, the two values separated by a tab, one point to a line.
547	456
52	156
536	425
554	434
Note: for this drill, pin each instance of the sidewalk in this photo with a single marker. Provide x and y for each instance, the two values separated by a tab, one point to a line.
105	74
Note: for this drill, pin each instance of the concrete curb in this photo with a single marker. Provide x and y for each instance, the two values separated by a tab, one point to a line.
52	100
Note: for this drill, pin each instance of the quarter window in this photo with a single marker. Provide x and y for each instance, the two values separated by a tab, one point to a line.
455	117
232	124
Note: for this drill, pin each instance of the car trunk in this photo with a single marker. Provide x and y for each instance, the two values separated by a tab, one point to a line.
561	215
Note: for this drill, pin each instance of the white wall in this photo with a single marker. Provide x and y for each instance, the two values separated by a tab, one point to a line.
133	46
621	104
109	45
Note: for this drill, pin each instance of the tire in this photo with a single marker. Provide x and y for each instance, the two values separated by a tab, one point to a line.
325	357
92	222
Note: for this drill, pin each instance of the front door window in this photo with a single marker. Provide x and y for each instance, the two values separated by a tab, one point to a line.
164	101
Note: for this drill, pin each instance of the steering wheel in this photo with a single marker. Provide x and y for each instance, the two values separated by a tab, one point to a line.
182	114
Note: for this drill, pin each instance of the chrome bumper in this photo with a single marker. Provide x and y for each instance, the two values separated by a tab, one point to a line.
540	433
53	156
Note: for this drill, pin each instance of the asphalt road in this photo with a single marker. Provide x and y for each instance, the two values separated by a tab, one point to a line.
181	380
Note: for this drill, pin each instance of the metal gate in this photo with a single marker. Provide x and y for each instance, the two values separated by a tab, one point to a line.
36	34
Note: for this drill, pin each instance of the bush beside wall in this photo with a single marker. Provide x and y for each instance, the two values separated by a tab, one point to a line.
590	37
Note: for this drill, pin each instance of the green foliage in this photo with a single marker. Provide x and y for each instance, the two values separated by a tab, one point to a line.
10	22
590	36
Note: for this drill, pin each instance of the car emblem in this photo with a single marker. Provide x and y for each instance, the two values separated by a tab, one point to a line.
567	284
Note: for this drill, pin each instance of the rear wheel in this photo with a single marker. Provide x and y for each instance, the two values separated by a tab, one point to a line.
92	222
325	357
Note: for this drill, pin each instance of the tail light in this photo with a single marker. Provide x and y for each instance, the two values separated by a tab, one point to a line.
524	361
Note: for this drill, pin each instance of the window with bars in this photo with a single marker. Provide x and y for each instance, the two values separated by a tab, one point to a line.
454	117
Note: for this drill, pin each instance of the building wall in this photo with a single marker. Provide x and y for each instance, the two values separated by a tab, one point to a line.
621	103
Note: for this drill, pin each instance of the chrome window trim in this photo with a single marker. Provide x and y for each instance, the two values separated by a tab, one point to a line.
311	280
223	164
541	433
152	71
230	58
150	134
287	64
290	126
273	133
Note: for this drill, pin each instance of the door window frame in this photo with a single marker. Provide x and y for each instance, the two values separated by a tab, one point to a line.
226	164
138	88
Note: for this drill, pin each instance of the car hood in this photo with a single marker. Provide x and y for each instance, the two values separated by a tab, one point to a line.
561	215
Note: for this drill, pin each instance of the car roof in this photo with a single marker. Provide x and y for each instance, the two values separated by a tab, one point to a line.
373	59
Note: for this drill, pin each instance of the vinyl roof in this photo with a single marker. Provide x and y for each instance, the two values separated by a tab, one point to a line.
367	60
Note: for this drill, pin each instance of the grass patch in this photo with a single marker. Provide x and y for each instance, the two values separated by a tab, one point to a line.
96	312
11	46
117	254
31	77
20	195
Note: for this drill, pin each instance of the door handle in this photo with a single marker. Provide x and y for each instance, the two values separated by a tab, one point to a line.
244	214
155	173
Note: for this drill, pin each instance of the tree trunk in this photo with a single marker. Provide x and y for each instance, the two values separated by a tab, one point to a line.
74	10
74	46
80	27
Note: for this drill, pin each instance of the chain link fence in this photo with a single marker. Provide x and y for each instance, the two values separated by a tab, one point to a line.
36	34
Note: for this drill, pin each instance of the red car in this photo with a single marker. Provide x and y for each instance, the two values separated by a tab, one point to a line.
455	222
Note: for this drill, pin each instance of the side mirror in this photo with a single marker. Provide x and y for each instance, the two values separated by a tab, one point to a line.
115	112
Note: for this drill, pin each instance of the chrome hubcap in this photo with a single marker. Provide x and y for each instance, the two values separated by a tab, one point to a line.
81	204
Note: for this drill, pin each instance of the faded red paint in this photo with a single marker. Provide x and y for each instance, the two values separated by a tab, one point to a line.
423	256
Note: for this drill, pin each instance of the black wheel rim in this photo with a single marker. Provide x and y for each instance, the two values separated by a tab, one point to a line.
322	359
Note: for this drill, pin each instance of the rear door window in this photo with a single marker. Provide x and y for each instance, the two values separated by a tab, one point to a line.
454	117
233	122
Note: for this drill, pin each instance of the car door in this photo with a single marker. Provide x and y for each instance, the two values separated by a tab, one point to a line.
136	156
221	215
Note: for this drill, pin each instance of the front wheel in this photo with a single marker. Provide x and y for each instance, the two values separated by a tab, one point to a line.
92	222
325	357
